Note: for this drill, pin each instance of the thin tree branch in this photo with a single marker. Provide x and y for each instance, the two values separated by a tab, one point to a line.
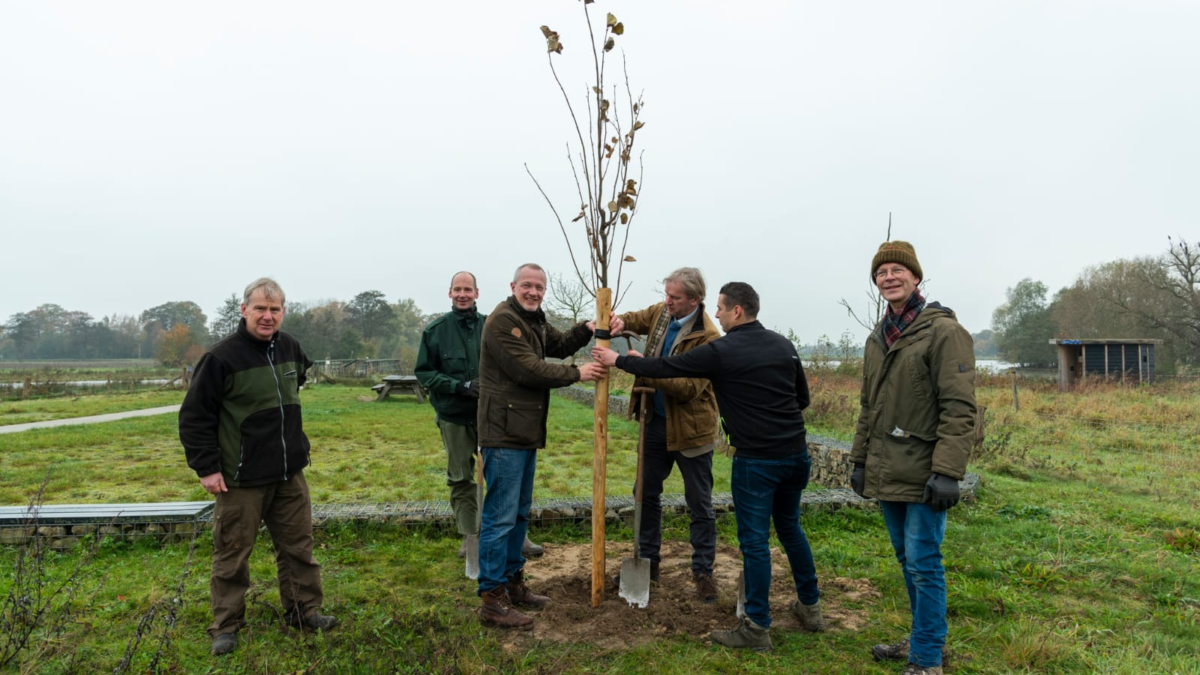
556	217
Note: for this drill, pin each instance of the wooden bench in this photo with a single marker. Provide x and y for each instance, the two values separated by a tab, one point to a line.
406	383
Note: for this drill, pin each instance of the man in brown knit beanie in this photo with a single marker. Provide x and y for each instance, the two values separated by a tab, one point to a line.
913	439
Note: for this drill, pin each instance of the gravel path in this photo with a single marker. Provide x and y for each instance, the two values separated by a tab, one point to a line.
93	419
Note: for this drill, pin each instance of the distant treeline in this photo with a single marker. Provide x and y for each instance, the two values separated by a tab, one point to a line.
175	333
1147	298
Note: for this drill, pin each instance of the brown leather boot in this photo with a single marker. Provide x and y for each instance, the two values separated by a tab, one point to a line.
498	611
520	594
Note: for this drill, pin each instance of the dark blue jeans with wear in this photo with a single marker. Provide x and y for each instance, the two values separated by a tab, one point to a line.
766	490
508	476
916	531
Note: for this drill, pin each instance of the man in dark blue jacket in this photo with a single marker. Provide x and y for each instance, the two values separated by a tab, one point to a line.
761	392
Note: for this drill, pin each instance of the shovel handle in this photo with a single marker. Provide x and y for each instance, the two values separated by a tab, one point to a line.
641	450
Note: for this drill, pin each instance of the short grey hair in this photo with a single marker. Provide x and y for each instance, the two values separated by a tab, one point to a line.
268	286
529	266
474	281
691	280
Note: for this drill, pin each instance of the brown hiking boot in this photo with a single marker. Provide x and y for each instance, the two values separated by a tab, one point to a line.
706	588
809	615
498	611
530	549
520	594
914	669
745	635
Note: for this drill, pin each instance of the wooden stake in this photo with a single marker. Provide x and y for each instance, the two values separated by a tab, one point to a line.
600	456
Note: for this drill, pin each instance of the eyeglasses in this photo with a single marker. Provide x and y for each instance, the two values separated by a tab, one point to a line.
895	272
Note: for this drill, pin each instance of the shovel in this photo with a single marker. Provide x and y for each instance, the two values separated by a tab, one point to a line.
741	607
635	571
473	539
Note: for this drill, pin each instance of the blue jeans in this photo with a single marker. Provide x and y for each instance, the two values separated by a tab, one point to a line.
764	489
508	475
916	531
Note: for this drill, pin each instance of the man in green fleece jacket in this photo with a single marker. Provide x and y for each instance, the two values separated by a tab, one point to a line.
241	430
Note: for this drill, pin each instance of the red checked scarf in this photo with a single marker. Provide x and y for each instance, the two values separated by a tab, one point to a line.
893	325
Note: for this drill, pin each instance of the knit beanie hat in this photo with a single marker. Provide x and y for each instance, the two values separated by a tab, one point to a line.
897	252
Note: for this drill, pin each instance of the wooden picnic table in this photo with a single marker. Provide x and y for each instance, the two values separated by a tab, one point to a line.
405	383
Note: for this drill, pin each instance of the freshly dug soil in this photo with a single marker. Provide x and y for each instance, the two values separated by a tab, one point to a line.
564	573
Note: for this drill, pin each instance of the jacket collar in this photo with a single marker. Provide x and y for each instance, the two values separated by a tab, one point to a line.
244	333
751	325
535	317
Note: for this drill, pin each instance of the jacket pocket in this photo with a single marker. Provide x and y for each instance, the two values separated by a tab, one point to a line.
523	422
910	459
262	447
227	529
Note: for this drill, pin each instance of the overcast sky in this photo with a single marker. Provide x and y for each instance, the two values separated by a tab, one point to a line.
152	151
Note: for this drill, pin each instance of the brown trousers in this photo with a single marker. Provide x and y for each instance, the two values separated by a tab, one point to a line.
287	510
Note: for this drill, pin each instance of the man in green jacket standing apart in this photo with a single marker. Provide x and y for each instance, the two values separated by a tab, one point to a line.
241	430
514	400
913	440
448	366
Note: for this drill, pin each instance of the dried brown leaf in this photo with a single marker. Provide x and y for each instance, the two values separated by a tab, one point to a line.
612	206
577	217
609	44
612	20
624	218
638	125
630	258
618	29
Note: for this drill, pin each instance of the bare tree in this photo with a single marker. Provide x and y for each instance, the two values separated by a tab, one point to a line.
600	157
569	298
875	306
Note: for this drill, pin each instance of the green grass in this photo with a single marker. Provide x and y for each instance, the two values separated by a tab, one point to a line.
1080	556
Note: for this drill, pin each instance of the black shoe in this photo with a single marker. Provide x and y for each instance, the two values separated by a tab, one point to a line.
315	621
223	643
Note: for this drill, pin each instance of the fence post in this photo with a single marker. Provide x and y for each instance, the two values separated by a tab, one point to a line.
26	387
1016	395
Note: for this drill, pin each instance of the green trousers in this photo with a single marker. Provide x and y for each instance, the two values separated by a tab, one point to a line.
460	441
287	510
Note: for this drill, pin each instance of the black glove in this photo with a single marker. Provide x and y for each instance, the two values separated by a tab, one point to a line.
941	492
858	480
470	389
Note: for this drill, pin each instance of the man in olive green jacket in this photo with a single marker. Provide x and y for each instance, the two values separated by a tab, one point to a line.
514	398
913	440
681	426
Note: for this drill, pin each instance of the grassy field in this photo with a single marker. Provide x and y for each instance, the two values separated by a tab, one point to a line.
1081	555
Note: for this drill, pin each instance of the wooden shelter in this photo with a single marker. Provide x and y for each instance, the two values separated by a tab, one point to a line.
1127	360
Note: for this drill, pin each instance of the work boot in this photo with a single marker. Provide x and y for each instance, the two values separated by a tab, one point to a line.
497	610
746	635
531	550
897	651
314	621
914	669
520	594
809	615
706	588
462	549
223	643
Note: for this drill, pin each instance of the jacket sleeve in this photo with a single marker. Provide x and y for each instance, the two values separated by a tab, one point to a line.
802	395
305	364
952	368
858	451
641	321
560	345
519	361
703	361
199	416
683	389
426	369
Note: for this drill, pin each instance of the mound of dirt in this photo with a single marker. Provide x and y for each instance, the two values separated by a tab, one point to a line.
565	572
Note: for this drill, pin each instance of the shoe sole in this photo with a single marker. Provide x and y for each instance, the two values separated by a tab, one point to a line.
497	626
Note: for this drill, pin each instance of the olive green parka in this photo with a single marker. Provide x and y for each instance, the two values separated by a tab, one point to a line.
918	406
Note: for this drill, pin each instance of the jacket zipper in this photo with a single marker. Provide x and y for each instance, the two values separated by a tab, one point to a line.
279	394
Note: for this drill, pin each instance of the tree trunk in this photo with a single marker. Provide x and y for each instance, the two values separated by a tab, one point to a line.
600	455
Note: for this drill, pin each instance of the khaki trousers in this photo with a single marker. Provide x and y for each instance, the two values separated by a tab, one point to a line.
287	510
460	440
